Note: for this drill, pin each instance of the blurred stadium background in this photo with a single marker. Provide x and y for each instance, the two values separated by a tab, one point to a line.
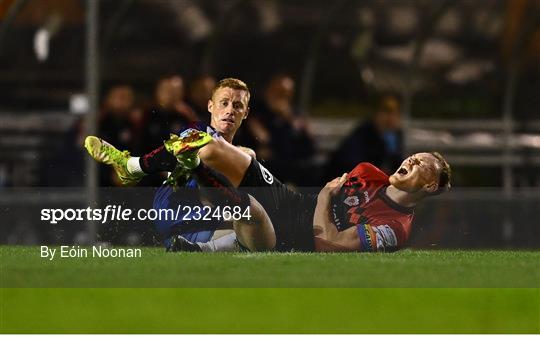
459	77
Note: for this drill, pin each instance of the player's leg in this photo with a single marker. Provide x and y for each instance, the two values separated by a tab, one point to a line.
158	160
254	229
220	155
225	243
215	152
256	232
226	158
131	169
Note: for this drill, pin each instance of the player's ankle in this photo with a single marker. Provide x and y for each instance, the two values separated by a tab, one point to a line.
133	166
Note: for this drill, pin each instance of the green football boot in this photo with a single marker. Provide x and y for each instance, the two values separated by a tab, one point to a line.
178	177
186	146
106	153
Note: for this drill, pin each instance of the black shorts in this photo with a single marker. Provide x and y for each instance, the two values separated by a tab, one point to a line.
291	212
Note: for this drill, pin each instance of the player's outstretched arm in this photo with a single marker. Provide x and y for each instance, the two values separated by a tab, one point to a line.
327	237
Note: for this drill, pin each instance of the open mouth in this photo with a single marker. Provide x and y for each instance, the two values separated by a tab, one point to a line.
228	120
402	171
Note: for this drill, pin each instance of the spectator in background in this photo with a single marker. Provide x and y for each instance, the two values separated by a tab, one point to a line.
169	113
377	141
114	121
199	94
278	135
118	123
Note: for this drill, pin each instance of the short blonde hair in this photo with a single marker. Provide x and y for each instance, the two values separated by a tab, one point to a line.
232	83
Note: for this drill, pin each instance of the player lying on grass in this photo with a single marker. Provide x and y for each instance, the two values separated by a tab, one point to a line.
228	107
363	211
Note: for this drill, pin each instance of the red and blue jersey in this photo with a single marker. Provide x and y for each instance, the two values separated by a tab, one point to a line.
381	223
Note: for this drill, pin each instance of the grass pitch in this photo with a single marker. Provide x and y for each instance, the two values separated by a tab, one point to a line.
407	292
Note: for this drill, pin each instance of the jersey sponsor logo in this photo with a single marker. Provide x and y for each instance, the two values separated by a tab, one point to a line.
267	176
386	238
354	200
351	201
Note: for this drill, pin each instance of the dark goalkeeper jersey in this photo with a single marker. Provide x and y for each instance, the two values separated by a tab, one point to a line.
382	224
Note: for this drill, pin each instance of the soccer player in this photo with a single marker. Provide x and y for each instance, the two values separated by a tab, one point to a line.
228	107
365	210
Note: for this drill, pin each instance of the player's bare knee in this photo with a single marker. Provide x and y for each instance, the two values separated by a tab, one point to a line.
248	151
257	231
214	149
208	152
264	223
257	213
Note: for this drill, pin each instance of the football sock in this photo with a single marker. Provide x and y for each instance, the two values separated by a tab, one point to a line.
159	160
133	165
221	191
226	243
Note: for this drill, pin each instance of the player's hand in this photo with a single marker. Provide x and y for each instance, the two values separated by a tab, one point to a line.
332	187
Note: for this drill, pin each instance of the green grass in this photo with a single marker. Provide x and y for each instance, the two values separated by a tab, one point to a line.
24	267
408	291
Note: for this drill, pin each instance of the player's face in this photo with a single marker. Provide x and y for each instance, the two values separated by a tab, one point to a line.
228	108
419	172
